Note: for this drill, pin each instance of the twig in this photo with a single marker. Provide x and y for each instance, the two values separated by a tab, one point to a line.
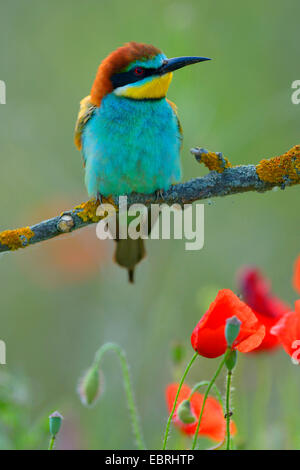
222	180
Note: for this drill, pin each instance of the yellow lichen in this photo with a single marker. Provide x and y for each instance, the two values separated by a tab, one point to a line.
284	169
214	161
15	239
87	210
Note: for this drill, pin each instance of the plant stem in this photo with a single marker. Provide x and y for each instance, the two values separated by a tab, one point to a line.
51	443
128	388
175	401
215	388
217	446
205	397
228	411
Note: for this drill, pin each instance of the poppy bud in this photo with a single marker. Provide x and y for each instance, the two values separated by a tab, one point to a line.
184	412
55	420
89	386
232	329
231	359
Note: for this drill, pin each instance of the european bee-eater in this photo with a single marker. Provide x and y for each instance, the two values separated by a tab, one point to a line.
129	133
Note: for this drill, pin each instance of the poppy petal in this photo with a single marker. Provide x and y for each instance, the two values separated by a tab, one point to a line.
208	337
213	423
288	330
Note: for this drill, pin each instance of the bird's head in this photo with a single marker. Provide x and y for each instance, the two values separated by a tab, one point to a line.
137	71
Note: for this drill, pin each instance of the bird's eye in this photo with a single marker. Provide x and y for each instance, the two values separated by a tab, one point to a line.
139	71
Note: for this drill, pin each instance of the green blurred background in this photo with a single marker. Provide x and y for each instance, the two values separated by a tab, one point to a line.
64	298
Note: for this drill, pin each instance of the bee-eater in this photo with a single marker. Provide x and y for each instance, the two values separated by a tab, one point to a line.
129	133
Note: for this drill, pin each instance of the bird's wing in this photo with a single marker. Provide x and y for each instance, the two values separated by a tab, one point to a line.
85	112
174	107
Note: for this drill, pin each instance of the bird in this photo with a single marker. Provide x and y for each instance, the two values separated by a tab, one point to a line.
129	132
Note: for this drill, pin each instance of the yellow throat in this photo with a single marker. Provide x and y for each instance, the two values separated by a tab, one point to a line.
155	88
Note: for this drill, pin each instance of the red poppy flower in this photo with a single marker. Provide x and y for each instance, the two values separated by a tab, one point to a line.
208	337
296	278
256	292
213	423
287	330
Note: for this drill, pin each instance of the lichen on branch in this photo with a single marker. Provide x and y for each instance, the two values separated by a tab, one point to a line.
281	170
223	179
18	238
214	161
284	169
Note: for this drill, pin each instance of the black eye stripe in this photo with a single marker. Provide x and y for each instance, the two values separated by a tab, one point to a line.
125	78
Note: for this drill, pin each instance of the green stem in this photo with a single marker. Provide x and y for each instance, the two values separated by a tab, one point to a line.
206	383
128	388
228	411
175	401
204	400
51	443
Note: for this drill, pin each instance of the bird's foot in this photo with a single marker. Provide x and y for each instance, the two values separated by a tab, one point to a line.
99	198
159	193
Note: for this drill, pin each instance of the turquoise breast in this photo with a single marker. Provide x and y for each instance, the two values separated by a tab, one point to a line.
131	145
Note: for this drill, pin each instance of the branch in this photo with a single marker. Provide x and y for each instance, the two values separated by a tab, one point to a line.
222	180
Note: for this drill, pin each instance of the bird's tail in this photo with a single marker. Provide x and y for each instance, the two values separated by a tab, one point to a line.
129	253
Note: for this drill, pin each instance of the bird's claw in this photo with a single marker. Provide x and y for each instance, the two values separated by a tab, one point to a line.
99	199
159	193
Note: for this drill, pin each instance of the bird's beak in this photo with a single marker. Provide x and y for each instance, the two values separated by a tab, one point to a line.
170	65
